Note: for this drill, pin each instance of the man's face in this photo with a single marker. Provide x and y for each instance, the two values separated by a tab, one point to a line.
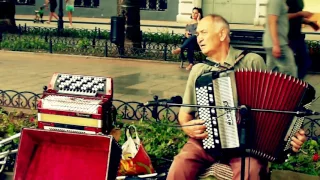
208	36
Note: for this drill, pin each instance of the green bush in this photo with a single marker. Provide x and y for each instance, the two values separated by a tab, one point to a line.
305	161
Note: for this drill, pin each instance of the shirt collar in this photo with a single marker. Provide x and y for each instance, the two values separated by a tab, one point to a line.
230	59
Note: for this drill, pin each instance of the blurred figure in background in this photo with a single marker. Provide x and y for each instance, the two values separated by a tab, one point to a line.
70	9
275	39
297	17
191	40
53	5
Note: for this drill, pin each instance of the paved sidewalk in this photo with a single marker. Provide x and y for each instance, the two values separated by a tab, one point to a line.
134	80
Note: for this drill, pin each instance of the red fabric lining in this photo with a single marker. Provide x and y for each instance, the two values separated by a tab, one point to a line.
49	155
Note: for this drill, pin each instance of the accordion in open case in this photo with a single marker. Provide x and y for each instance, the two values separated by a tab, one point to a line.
77	103
71	142
54	155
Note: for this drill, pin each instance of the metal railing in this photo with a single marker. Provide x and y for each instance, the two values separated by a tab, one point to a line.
155	5
86	3
131	110
25	2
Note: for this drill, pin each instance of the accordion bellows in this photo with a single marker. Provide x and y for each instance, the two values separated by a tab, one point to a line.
269	132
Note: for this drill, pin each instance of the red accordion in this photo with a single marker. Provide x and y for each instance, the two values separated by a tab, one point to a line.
269	132
77	103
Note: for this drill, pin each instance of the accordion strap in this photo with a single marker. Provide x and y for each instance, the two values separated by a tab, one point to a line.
239	58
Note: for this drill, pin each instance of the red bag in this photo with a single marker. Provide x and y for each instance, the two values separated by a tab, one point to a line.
135	160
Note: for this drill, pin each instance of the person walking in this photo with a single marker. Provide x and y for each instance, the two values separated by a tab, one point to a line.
297	17
280	57
53	5
70	10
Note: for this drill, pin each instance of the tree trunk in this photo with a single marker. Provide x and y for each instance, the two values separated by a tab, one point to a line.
131	10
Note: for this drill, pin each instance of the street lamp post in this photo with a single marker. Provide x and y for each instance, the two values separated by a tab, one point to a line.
60	21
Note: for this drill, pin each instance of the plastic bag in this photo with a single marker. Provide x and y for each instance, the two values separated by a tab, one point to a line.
135	160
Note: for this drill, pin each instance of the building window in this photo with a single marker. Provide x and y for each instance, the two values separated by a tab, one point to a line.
154	5
86	3
25	2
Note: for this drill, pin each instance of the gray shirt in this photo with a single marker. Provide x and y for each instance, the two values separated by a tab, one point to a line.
280	9
250	61
192	28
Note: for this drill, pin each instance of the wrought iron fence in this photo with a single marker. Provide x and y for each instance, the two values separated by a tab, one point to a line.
155	5
131	110
157	46
86	3
25	2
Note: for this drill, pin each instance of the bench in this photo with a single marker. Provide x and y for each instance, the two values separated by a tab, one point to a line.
250	40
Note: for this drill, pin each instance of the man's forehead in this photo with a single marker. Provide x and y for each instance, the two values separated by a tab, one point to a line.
204	24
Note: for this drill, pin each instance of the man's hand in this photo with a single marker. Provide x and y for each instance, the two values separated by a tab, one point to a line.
298	140
195	129
305	14
314	25
199	16
187	34
276	51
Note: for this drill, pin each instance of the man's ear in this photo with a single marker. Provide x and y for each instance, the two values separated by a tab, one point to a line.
223	35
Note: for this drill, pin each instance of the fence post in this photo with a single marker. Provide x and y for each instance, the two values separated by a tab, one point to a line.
46	37
94	42
99	33
155	108
50	45
106	49
165	51
1	37
144	45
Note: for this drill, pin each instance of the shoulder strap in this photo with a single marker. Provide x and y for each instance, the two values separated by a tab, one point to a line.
239	58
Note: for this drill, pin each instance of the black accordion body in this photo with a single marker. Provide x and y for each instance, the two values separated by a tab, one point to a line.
269	132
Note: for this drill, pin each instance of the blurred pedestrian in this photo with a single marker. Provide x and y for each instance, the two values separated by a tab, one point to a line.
53	5
70	10
297	17
275	39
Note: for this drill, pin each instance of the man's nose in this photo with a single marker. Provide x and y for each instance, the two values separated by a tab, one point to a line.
199	39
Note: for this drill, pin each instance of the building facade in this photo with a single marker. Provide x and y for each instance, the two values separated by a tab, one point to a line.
235	11
161	10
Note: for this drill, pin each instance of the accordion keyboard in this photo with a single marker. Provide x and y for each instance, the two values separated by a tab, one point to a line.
207	114
71	104
80	85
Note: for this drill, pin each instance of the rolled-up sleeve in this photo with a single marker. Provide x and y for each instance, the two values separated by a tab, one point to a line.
274	7
190	92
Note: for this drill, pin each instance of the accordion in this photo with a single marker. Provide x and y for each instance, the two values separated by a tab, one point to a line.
269	132
77	103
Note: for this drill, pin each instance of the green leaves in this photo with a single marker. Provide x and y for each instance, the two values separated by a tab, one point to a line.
304	161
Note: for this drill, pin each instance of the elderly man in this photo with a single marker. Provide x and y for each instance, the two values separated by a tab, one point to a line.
213	39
